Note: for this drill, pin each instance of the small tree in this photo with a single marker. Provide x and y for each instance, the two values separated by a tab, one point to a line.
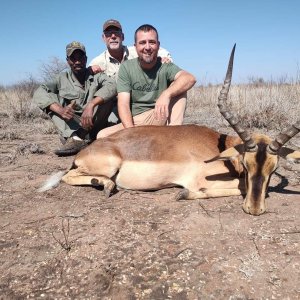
49	70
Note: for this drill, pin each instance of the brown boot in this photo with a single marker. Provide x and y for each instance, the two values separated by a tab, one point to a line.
71	147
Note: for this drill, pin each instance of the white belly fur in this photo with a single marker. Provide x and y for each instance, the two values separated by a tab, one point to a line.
155	175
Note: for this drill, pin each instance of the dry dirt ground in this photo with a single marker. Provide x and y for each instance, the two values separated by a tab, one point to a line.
71	243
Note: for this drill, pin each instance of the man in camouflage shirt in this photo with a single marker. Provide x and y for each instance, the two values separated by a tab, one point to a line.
78	102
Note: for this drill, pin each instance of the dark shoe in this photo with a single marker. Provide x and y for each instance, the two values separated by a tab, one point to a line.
62	139
71	147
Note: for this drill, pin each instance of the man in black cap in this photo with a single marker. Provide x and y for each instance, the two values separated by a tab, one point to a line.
78	102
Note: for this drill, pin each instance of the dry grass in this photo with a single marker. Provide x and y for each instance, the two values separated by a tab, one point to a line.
265	106
260	106
15	102
16	107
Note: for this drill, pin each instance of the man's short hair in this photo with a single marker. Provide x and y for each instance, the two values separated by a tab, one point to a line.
145	28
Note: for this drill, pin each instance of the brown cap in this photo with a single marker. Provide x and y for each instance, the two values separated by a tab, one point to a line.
70	48
113	23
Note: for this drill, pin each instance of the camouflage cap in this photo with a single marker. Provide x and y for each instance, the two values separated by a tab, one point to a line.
113	23
70	48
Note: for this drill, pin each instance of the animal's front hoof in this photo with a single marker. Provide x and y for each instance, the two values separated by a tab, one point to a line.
182	195
106	192
108	189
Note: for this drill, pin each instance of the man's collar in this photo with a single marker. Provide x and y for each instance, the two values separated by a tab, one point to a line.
157	64
88	76
125	54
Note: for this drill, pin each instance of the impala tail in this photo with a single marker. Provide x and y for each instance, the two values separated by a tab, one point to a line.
52	182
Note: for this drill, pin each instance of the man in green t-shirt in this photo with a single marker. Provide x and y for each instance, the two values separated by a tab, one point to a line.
150	92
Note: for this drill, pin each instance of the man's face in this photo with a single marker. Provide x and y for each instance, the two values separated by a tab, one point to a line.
147	46
113	38
77	61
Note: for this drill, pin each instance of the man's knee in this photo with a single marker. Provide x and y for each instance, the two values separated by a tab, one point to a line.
101	134
177	110
109	130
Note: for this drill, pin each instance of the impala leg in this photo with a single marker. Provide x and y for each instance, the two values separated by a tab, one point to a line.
73	177
107	183
214	189
186	194
230	183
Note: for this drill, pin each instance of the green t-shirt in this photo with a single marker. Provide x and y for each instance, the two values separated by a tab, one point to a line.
144	86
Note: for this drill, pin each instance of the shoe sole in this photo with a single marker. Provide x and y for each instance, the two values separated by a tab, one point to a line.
68	152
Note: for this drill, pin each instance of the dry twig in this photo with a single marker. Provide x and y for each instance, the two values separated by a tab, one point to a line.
66	245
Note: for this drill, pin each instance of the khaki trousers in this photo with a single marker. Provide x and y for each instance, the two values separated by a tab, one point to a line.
176	113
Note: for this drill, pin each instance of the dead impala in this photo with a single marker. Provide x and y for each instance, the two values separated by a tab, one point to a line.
204	162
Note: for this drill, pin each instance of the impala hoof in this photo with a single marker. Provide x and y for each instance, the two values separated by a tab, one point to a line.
182	195
108	189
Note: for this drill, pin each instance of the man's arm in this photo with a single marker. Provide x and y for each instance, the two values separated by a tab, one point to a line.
106	87
124	109
67	112
183	81
46	94
106	91
86	118
46	98
95	69
124	94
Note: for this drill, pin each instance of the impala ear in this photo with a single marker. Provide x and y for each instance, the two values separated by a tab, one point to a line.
229	154
289	154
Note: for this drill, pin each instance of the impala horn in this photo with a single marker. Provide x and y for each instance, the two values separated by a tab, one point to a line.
230	117
283	138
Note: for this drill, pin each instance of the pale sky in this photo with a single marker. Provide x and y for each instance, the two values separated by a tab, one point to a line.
199	34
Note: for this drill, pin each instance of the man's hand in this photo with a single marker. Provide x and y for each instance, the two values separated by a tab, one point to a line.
87	116
165	60
67	112
95	69
161	109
